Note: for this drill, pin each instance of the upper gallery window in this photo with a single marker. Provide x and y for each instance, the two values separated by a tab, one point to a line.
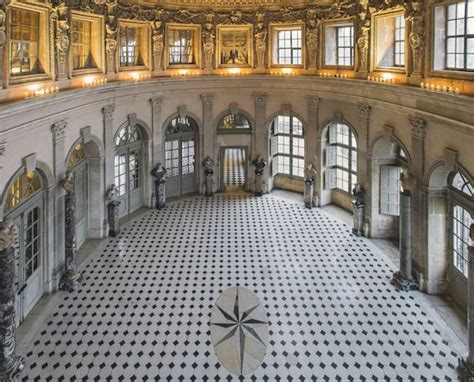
339	49
24	44
234	45
22	188
341	158
82	44
287	43
133	45
454	36
234	121
288	146
183	44
390	42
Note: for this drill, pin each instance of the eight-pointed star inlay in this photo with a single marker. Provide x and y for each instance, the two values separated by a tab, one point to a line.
239	330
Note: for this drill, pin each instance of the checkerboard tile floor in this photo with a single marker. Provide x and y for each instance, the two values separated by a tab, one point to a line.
234	168
143	310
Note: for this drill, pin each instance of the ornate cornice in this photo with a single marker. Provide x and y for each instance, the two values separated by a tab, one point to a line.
108	111
418	127
260	98
207	98
59	130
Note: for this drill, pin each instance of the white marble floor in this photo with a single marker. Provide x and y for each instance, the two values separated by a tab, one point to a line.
144	307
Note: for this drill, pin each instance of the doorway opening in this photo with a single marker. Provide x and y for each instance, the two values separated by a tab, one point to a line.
235	175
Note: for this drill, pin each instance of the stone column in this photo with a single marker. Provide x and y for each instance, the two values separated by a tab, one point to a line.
71	276
466	365
261	136
207	145
109	148
3	42
419	213
365	111
403	279
11	365
58	130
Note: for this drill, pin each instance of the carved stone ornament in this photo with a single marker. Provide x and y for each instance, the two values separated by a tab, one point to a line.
418	127
7	234
208	38
364	110
260	98
414	13
108	111
261	33
59	130
408	181
207	98
68	182
312	102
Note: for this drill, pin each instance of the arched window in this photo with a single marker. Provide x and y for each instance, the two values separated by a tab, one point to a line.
77	155
127	135
461	222
341	158
181	125
287	146
23	187
234	121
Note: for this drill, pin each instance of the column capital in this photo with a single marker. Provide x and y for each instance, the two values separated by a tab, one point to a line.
260	98
156	102
207	98
364	110
7	234
312	102
418	127
108	111
59	130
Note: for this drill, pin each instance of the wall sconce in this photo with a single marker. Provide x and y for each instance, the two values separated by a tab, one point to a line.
90	81
384	78
440	89
36	90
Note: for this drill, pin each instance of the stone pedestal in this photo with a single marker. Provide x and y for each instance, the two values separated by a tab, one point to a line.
11	365
113	216
358	216
71	277
160	192
403	279
466	365
309	193
209	183
258	183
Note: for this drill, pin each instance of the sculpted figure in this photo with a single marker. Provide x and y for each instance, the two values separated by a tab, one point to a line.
359	194
111	192
261	45
311	172
259	164
208	164
68	182
408	181
208	47
159	172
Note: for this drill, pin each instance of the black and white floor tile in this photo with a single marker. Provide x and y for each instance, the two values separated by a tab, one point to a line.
144	307
234	168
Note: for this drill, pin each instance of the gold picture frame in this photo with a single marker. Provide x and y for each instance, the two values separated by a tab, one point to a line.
234	46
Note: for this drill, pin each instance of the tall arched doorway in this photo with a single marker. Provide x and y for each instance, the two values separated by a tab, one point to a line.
128	168
24	206
180	156
77	163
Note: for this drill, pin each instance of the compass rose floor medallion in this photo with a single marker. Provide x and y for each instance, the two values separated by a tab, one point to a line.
239	330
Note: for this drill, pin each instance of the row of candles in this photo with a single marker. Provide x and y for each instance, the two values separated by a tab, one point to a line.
91	81
441	89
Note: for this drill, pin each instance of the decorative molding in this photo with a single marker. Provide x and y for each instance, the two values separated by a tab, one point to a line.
364	110
3	149
260	98
312	102
451	159
59	130
418	127
108	111
207	98
388	133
